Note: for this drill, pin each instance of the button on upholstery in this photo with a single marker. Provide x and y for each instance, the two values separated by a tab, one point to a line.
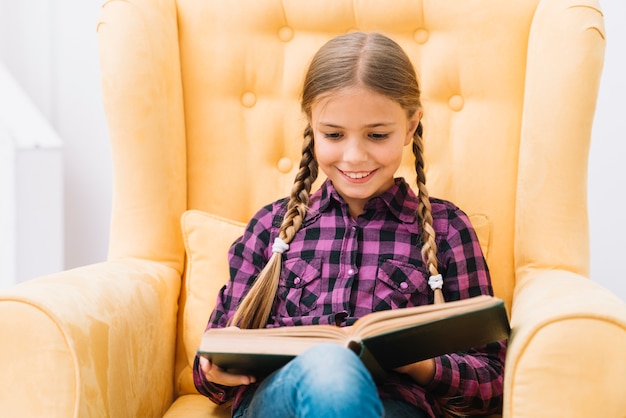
421	36
456	102
248	99
285	165
285	34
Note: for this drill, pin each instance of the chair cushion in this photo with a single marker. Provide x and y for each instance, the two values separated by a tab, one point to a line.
207	239
197	406
482	227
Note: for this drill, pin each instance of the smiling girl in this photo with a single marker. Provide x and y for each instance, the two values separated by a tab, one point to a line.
363	242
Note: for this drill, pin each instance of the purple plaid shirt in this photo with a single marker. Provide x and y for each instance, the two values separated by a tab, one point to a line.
338	269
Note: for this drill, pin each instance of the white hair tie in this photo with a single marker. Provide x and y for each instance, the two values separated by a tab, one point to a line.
279	246
436	282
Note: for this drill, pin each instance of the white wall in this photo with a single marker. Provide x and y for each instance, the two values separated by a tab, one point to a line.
50	46
31	186
607	160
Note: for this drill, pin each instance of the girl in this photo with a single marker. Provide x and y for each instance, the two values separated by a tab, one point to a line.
363	242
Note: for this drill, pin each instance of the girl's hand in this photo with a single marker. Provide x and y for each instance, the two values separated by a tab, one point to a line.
422	371
216	374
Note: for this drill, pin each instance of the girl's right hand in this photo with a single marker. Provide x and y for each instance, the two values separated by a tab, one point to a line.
216	374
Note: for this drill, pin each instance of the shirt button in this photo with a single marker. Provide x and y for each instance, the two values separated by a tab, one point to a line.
404	285
297	280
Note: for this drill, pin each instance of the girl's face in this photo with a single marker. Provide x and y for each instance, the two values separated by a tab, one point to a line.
359	137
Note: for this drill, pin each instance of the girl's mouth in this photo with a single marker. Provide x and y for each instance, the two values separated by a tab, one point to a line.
357	176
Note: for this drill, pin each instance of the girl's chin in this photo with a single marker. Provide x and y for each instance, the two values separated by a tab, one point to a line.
352	192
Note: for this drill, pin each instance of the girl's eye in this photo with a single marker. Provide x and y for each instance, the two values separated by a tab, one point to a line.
332	135
378	136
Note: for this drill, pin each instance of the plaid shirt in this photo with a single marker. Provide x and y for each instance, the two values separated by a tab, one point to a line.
338	269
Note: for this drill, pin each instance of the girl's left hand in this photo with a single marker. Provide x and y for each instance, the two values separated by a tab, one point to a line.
422	371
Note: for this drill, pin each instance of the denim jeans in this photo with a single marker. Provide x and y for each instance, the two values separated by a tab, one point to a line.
325	381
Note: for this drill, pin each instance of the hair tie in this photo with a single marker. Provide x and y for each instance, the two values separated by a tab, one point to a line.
279	246
436	282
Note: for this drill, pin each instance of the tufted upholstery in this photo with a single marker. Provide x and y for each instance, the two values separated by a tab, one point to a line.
202	102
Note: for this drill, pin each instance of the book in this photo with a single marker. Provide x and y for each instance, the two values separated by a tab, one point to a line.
383	340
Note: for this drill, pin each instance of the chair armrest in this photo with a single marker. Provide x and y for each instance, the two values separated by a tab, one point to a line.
566	350
90	342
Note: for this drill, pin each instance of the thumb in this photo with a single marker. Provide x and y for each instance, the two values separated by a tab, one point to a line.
205	365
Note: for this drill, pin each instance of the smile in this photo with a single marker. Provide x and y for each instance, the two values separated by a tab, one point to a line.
357	175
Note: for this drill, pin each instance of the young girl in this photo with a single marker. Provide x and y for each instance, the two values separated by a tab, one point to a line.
363	242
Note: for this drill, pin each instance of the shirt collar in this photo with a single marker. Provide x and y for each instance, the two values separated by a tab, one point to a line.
399	200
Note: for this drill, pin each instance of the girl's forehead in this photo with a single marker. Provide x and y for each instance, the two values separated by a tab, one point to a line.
351	90
356	107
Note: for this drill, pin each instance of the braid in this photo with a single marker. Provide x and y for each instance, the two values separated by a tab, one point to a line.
424	213
254	310
299	199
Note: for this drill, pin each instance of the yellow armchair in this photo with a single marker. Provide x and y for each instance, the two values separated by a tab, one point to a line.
202	104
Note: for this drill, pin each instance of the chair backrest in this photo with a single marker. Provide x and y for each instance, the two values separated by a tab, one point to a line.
202	101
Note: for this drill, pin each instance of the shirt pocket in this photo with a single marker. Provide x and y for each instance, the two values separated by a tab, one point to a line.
299	287
399	285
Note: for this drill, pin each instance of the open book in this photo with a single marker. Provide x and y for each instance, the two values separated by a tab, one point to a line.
384	339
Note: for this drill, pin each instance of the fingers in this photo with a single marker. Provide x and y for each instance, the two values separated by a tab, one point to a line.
205	365
218	375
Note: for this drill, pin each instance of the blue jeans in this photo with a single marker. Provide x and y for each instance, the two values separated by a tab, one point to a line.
325	381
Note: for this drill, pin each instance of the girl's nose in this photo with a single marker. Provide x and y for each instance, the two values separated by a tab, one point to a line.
355	151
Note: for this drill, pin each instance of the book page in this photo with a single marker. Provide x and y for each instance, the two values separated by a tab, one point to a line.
283	340
384	321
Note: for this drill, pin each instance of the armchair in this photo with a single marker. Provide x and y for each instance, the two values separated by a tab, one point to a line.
202	104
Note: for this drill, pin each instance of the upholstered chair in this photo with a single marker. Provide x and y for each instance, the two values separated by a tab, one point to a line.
201	98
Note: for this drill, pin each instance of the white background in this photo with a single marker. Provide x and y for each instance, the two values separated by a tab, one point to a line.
50	48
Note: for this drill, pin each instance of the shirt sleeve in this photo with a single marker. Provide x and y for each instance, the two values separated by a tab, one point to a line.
217	393
246	258
470	382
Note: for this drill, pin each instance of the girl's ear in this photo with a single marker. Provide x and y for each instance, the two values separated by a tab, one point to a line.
412	125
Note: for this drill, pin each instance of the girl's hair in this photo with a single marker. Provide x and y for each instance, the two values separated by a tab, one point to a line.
375	62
